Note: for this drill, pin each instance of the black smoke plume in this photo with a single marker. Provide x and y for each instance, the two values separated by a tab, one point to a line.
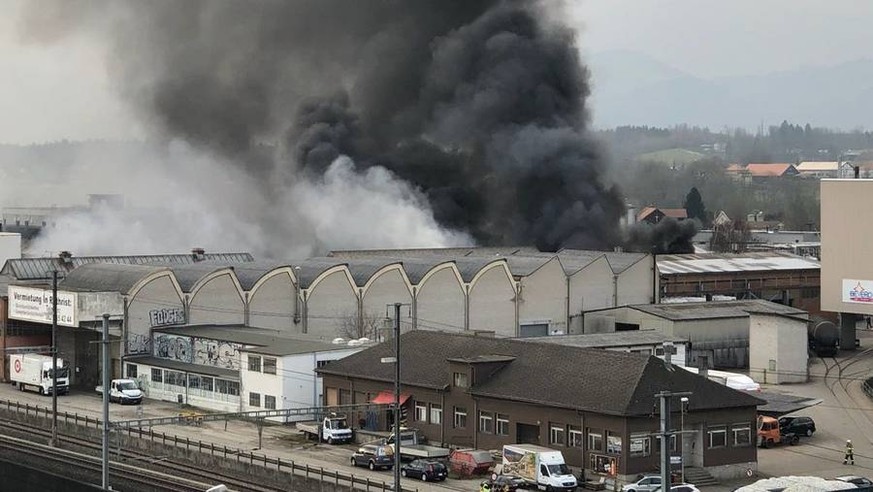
669	236
479	105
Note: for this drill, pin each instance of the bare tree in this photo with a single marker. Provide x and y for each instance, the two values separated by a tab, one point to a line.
369	325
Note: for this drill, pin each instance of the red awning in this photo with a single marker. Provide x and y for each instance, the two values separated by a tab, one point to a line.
387	397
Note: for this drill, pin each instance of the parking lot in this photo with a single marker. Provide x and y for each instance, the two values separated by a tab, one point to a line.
845	413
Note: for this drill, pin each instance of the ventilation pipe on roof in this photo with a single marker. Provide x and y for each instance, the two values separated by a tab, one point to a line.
66	258
857	171
198	254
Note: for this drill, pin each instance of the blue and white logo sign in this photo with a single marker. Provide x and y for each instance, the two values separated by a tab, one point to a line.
858	291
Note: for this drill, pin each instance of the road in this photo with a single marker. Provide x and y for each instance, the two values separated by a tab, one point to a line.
845	413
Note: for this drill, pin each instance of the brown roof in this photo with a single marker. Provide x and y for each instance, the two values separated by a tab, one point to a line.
601	381
735	169
676	213
645	212
769	169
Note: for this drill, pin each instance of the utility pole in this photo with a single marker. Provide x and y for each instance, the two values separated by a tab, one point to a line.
666	434
54	358
105	454
397	397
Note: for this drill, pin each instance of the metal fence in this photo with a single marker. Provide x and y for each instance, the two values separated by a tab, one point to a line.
289	466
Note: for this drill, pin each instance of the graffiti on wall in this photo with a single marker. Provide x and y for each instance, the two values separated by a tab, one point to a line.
139	344
214	353
165	317
173	347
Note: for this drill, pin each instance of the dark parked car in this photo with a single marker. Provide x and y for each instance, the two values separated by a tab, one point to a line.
427	470
802	426
374	456
862	483
502	483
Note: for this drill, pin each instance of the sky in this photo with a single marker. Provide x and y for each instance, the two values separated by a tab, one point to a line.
62	91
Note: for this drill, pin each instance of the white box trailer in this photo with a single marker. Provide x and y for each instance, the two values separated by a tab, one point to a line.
34	372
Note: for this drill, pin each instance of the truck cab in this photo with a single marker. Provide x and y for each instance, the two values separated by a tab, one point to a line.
769	433
540	467
124	391
336	429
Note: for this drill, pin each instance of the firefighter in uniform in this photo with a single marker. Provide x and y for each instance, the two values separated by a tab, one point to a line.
849	459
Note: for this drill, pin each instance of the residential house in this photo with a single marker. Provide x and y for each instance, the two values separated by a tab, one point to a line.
654	215
818	170
771	170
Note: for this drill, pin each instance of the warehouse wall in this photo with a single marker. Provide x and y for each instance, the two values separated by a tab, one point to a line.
543	296
440	301
329	304
492	302
217	301
158	294
273	304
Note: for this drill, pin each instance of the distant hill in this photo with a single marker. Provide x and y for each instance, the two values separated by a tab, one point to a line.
671	156
633	89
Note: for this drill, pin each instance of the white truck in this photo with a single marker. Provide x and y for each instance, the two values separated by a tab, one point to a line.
412	446
333	429
34	372
539	467
123	391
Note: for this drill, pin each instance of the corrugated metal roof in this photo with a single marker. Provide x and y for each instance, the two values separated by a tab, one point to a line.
41	268
685	311
250	273
258	340
605	340
107	277
722	263
189	274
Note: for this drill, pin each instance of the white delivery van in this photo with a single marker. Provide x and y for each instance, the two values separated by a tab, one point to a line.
539	467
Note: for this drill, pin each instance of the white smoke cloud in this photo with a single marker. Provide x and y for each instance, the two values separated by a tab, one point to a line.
183	198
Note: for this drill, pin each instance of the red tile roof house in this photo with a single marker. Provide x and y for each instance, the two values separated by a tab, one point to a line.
653	215
596	406
772	170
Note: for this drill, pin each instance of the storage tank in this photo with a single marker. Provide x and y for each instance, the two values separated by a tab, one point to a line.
824	336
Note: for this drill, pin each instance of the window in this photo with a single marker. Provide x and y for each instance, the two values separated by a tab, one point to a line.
557	435
486	422
269	365
460	379
175	378
269	402
436	413
157	375
673	442
595	441
193	381
460	418
640	445
575	434
226	387
717	437
254	399
613	443
321	363
742	435
131	371
206	383
420	411
255	363
502	424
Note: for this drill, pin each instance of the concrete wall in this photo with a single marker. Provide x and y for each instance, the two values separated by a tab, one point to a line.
10	246
777	349
725	341
846	235
543	297
492	303
590	288
329	304
637	284
217	301
273	305
386	287
440	302
93	305
159	293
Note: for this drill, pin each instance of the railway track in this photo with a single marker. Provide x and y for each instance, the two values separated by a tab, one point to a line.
169	468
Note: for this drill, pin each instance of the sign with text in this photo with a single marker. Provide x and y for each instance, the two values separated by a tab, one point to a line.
857	291
30	304
166	317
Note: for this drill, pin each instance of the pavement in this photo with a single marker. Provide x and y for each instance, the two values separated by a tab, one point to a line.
845	412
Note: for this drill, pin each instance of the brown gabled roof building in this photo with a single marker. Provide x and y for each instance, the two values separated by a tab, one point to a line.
653	215
771	170
597	407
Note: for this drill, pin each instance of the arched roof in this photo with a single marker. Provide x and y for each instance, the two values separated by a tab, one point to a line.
189	276
250	274
309	270
109	277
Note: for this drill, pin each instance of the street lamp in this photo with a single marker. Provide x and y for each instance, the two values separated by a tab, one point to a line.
682	405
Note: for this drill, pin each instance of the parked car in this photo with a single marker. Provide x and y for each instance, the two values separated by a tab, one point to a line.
802	426
502	483
680	487
647	483
426	470
374	456
863	483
